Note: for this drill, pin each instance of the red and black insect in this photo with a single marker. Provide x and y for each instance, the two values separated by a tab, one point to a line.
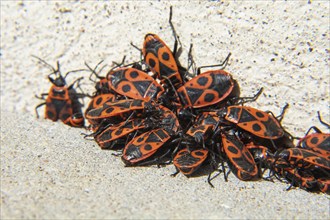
103	93
188	161
105	137
298	178
161	60
206	89
208	128
116	120
98	101
324	185
134	83
257	126
305	168
263	157
205	130
139	150
200	133
240	160
111	112
318	141
144	146
301	158
62	100
197	146
257	122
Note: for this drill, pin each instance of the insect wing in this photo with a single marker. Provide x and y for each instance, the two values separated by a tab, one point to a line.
144	146
255	121
189	161
240	159
206	89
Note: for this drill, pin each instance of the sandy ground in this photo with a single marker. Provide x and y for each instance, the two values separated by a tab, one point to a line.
49	171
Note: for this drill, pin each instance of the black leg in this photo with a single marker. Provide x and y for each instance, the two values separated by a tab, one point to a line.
322	122
223	64
36	108
176	172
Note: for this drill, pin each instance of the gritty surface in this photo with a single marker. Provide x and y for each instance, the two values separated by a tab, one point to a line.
49	171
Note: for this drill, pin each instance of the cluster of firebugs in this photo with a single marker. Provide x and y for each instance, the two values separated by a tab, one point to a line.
156	111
